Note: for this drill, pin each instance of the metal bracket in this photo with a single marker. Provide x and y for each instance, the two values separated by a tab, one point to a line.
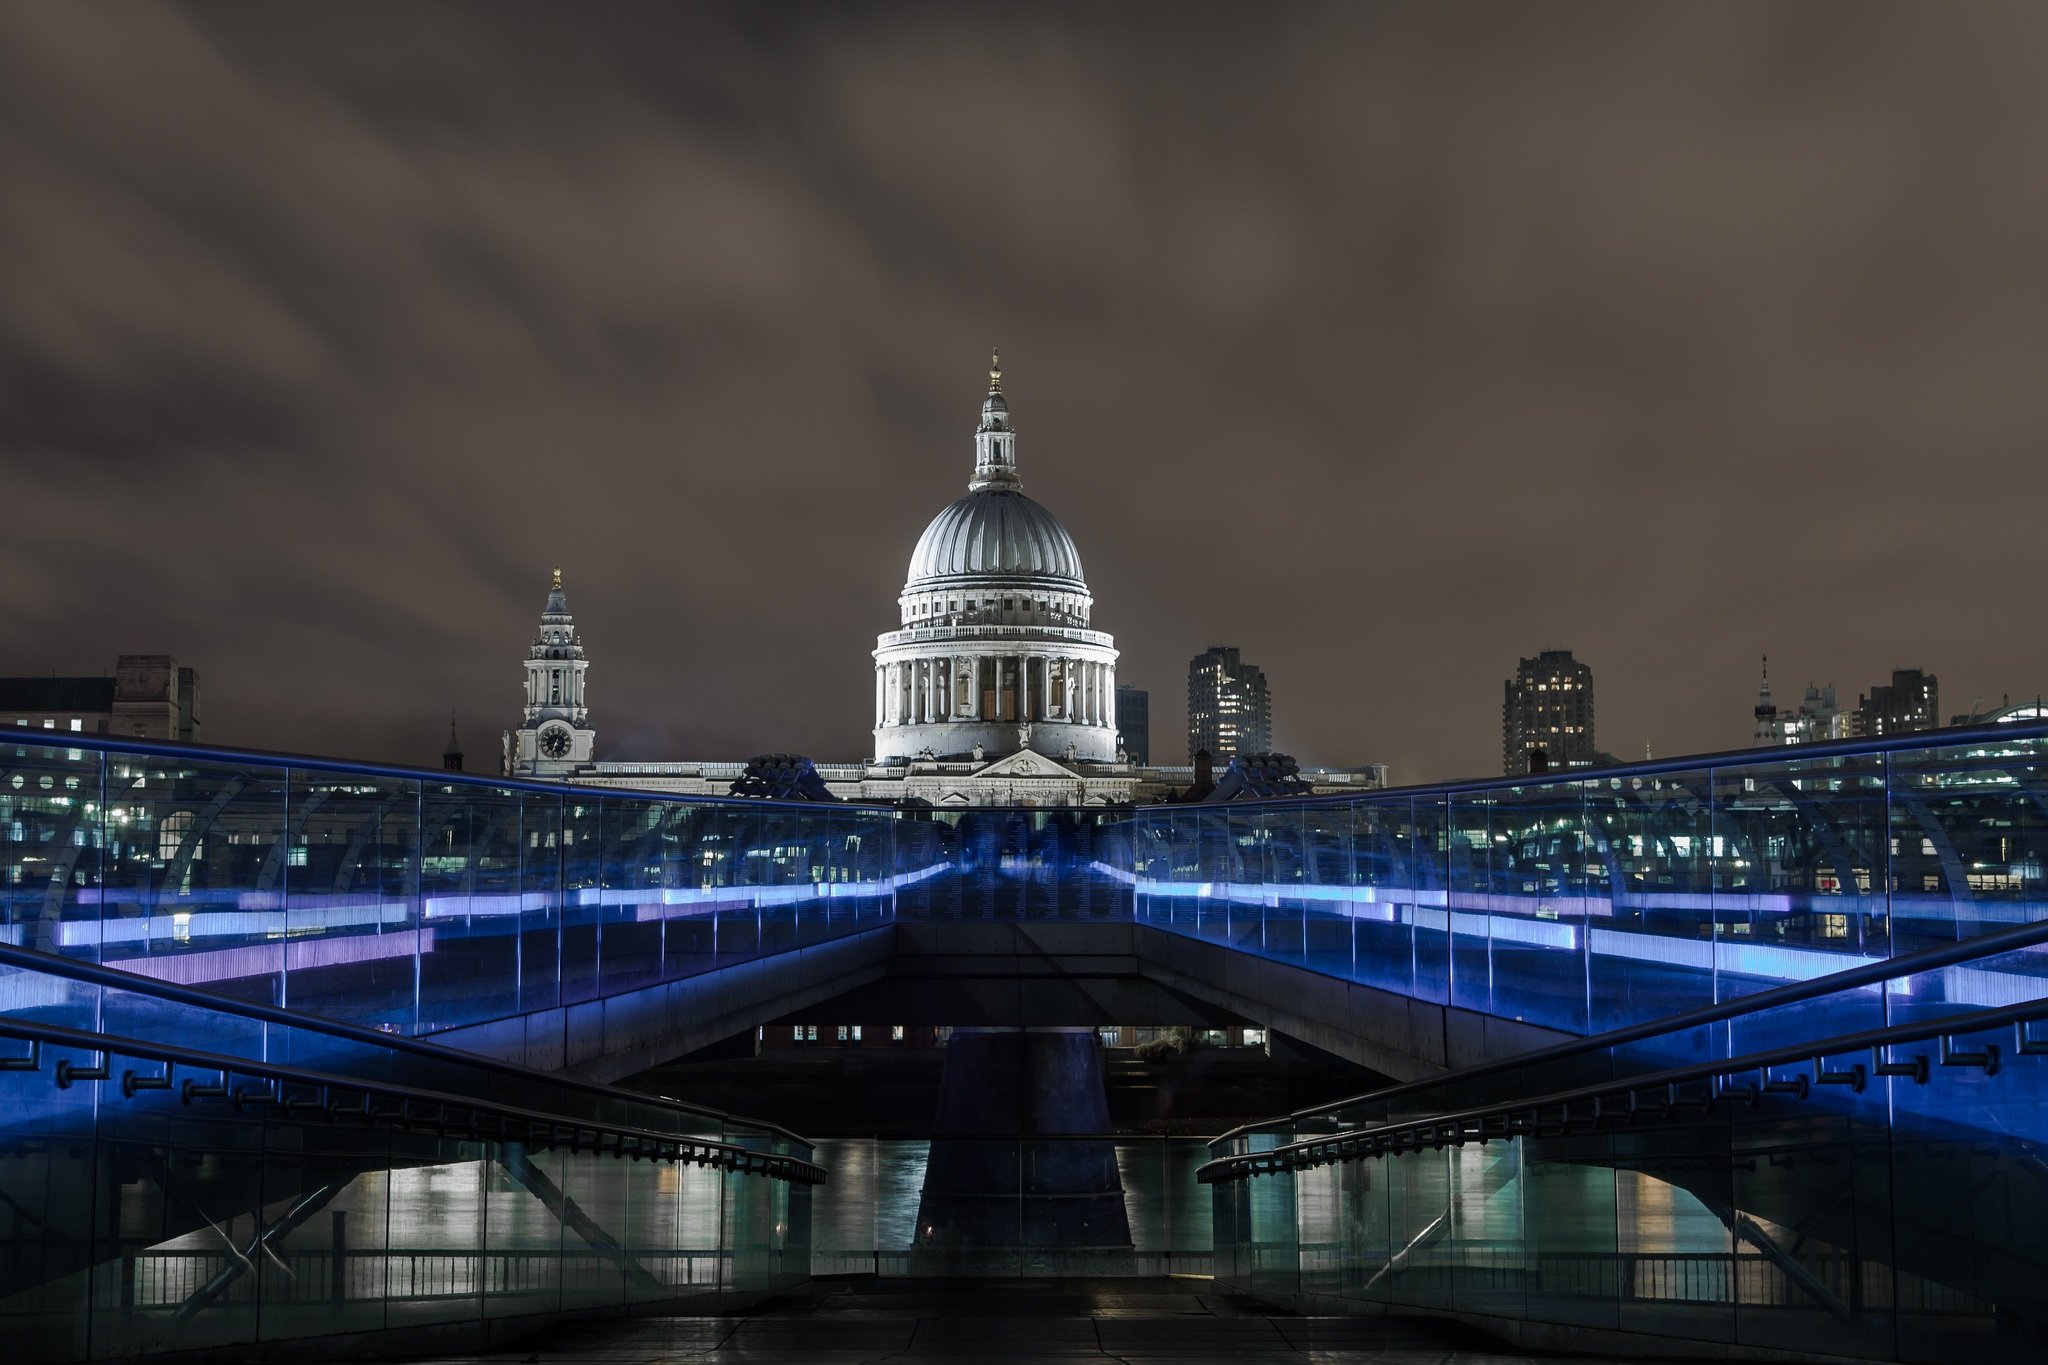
1916	1066
67	1073
132	1082
1799	1086
1985	1057
1855	1077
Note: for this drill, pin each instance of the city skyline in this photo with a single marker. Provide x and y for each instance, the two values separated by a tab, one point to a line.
328	346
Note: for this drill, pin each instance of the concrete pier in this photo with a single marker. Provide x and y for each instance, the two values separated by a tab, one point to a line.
1003	1177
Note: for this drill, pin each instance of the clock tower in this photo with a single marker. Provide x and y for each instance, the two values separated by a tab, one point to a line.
554	737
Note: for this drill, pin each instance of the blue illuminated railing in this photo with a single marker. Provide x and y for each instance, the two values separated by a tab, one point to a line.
1583	902
1875	1194
1580	902
180	1172
403	900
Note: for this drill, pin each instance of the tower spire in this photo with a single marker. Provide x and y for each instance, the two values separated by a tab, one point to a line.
1766	710
995	370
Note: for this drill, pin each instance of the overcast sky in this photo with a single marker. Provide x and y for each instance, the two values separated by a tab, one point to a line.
1387	343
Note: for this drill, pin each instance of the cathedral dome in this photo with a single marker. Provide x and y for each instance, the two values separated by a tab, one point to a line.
995	653
995	533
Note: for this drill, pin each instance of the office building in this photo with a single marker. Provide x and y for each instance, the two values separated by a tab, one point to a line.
1549	707
1134	723
149	697
1230	708
1911	701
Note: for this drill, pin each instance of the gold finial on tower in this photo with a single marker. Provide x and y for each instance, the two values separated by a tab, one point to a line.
995	371
558	578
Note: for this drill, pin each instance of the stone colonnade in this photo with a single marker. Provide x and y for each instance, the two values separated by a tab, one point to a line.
999	687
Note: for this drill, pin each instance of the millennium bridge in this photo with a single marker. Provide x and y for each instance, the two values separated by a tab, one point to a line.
1744	1052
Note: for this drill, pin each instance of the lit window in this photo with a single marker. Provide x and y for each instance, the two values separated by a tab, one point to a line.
895	1033
76	725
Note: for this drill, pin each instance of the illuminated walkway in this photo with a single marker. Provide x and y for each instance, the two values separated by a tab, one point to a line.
1749	1049
1159	1322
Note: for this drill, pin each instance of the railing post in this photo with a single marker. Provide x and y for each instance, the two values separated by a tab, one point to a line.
337	1264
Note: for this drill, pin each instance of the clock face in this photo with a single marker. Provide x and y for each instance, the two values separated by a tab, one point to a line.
554	743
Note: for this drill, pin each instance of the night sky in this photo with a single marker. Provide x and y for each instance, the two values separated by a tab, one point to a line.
1387	343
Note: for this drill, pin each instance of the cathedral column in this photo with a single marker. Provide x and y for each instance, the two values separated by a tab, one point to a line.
1045	687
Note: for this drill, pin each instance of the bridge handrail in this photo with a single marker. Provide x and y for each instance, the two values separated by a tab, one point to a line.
272	758
1513	1118
1950	737
1906	964
113	978
665	1146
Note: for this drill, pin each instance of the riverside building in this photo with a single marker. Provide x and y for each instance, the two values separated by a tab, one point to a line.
996	685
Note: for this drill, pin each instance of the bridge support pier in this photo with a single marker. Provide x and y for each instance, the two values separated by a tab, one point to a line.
1004	1179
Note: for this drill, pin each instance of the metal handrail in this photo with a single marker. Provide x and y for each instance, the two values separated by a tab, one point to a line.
1524	1116
113	978
275	758
1958	736
430	1110
1925	959
1952	737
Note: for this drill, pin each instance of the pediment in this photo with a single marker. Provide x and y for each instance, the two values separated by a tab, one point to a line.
1025	763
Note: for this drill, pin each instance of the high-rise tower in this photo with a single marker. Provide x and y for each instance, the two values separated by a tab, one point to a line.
1230	708
1548	706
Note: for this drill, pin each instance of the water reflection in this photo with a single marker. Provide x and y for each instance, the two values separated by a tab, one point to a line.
870	1203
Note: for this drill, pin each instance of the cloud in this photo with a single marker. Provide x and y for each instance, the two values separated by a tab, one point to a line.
1389	343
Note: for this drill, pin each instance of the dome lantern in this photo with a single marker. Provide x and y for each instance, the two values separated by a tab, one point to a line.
995	444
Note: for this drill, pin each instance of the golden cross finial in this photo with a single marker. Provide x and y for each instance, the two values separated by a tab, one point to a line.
995	371
558	578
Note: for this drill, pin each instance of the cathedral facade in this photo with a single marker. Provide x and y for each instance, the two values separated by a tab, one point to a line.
995	687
